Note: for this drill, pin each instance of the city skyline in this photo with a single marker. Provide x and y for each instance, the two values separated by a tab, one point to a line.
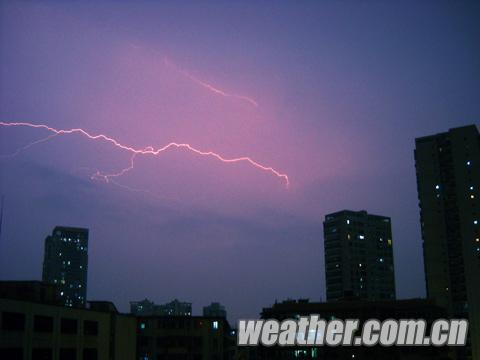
337	110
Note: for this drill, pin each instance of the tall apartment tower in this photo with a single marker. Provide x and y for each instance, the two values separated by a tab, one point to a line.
358	256
448	181
65	264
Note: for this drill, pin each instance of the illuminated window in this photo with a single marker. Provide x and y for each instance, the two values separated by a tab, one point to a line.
215	325
389	242
437	187
348	222
361	237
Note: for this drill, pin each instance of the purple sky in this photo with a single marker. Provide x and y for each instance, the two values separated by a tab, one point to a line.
342	87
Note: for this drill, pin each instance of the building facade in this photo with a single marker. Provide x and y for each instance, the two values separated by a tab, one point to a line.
448	182
185	338
65	264
358	256
356	309
38	331
34	291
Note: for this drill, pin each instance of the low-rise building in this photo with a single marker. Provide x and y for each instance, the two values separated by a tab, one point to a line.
185	338
362	310
34	330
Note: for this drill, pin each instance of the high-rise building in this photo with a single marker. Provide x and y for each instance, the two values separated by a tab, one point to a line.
358	256
65	264
215	309
448	182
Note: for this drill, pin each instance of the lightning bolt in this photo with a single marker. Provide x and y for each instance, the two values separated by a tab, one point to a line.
23	148
149	150
98	175
207	85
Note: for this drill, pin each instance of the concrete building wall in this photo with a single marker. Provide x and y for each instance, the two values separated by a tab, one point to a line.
185	337
43	332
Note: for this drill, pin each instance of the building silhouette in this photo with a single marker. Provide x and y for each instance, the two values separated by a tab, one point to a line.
448	180
34	291
65	264
143	307
215	309
358	256
185	337
33	325
173	308
355	309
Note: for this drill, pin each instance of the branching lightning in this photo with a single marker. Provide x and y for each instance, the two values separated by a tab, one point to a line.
209	86
23	148
149	150
98	175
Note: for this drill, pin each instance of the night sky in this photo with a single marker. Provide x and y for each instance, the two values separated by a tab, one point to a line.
330	93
